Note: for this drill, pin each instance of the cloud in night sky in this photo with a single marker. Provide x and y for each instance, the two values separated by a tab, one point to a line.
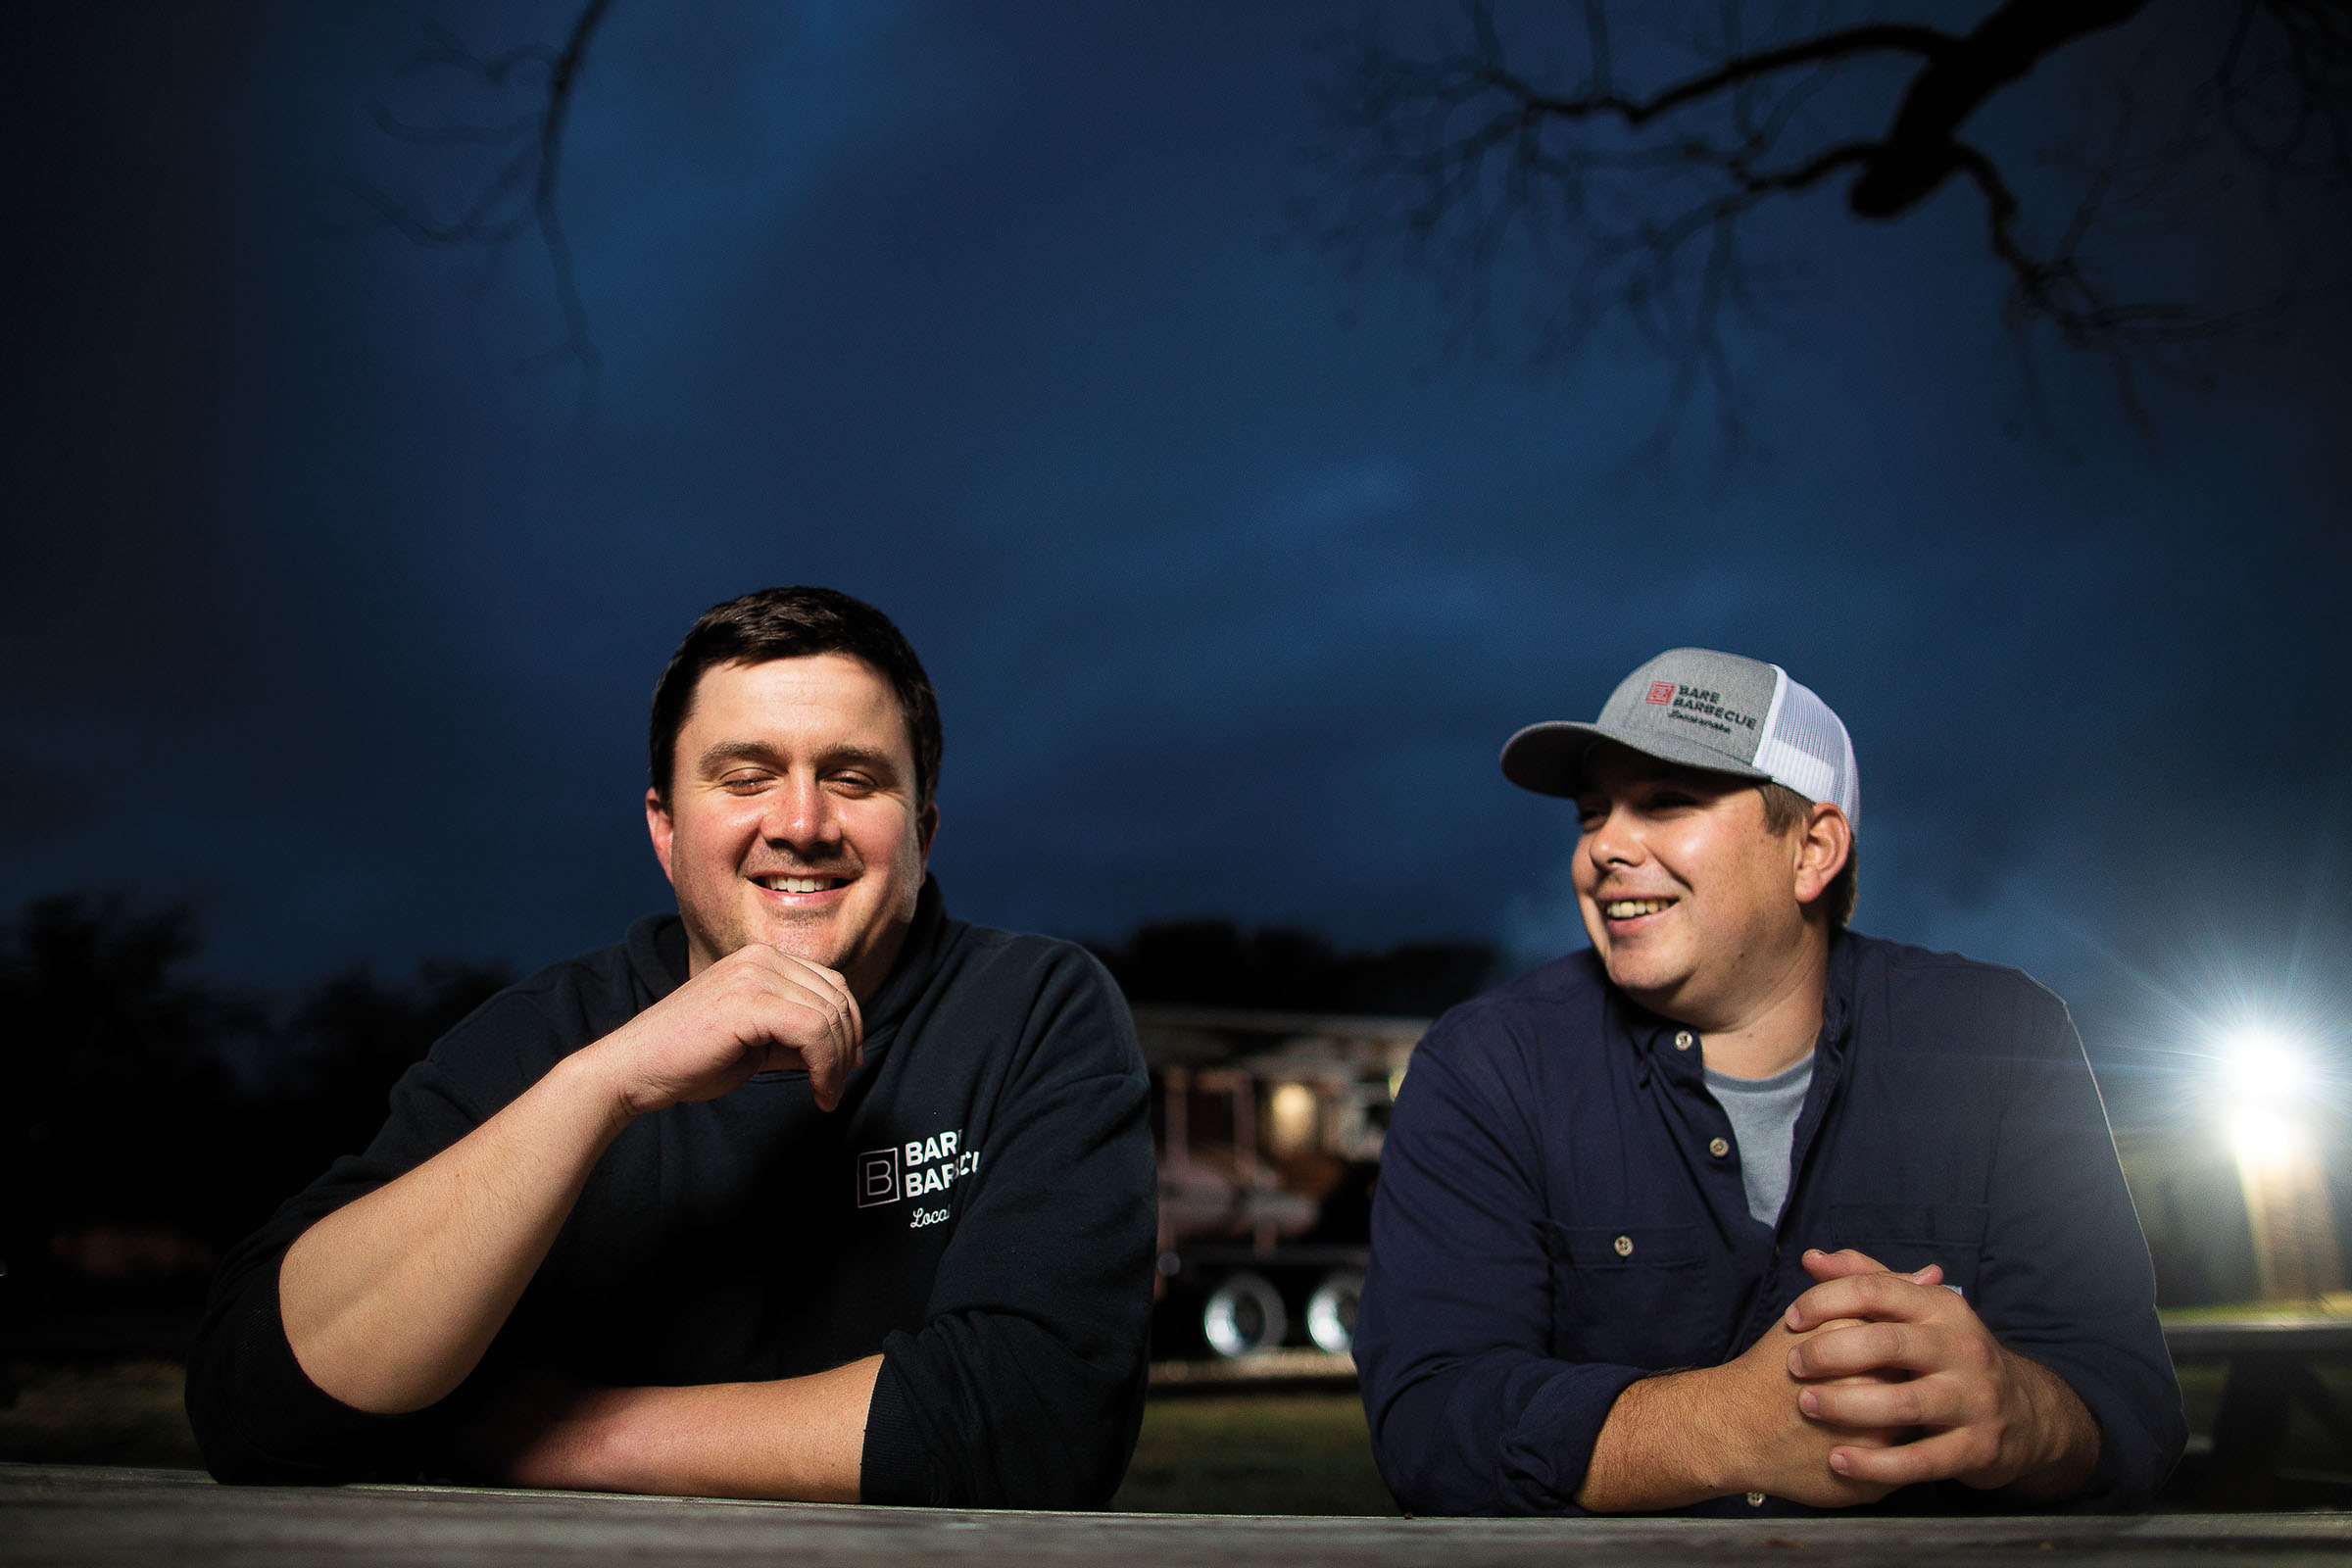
1232	580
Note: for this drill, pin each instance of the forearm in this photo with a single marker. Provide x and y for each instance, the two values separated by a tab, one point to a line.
799	1439
2063	1445
1660	1448
389	1302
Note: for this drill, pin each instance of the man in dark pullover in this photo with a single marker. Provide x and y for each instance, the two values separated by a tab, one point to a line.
1740	1212
807	1192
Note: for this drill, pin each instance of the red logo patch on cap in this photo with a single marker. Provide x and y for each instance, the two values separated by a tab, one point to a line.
1660	691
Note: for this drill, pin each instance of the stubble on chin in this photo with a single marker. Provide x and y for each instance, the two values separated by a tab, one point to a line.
811	938
808	947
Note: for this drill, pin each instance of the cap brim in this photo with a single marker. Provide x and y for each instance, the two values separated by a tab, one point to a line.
1550	759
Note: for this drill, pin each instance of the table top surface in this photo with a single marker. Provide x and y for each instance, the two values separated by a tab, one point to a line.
72	1515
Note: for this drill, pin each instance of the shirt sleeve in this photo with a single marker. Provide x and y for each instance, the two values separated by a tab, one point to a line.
1024	1387
1469	1410
2064	1278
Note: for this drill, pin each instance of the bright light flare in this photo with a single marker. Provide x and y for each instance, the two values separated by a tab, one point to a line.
2268	1080
2263	1138
2263	1071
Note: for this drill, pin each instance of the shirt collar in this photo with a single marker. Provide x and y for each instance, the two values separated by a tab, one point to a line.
912	969
1652	1037
1837	996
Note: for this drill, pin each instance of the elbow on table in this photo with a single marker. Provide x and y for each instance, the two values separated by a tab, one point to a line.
1423	1472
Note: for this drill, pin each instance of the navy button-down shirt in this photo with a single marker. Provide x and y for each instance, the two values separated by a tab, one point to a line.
1552	1223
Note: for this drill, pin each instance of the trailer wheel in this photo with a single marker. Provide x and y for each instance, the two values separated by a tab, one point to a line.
1243	1314
1331	1311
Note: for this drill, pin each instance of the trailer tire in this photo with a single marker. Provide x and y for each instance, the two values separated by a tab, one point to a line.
1331	1311
1242	1315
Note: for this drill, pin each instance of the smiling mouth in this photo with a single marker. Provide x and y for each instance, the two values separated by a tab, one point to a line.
780	883
1635	909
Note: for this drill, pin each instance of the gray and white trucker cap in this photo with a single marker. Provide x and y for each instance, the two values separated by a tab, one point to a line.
1703	709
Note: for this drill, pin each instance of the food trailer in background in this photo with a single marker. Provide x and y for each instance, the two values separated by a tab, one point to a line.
1269	1128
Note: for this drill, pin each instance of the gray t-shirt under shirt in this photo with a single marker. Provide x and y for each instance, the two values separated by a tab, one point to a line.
1763	1113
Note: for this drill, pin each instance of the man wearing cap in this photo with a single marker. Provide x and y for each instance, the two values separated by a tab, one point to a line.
1740	1212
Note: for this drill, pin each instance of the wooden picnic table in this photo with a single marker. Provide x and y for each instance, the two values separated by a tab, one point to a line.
63	1516
2270	1363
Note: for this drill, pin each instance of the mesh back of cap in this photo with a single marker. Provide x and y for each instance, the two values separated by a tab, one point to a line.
1806	748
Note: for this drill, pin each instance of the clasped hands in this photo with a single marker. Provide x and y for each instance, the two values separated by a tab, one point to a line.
1902	1382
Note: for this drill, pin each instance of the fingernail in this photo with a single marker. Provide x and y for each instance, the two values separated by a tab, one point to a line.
1796	1363
1790	1317
1839	1461
1809	1402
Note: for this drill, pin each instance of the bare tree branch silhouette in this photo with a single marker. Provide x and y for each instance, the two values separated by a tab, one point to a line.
1637	204
519	196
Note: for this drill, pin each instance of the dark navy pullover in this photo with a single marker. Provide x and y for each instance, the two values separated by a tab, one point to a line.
1552	1223
979	1209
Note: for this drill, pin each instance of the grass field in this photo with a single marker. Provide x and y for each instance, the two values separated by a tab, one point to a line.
128	1415
1254	1454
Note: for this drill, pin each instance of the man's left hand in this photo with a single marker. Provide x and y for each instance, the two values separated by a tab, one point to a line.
1988	1416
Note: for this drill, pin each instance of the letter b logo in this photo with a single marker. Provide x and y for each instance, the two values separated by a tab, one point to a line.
877	1177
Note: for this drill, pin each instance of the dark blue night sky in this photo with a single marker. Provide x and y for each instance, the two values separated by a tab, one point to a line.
321	615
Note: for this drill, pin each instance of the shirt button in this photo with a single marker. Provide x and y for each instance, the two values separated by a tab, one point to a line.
1684	1039
1624	1245
1719	1146
1755	1500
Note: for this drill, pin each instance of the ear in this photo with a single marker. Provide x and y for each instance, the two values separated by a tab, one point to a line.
1823	841
657	822
926	828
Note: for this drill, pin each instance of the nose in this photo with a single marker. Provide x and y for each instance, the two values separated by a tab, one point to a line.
1611	839
802	817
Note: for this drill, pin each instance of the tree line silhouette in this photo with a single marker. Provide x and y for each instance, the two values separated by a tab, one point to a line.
1216	964
132	1148
151	1117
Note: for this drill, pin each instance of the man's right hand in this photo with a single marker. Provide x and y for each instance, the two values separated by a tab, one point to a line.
390	1300
753	1010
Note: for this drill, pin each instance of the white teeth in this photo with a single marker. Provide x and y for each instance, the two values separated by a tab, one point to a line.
795	884
1628	909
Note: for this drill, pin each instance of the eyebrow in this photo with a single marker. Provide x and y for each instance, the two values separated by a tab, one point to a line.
718	757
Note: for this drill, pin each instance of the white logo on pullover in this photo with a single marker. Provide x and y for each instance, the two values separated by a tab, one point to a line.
911	1169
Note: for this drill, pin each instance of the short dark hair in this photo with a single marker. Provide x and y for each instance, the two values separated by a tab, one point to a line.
1783	808
796	624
